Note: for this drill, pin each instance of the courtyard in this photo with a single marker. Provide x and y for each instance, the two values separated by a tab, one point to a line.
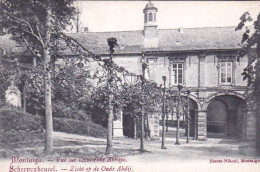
72	145
218	152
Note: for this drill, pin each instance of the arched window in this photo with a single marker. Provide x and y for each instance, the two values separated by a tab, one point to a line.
145	18
150	16
154	17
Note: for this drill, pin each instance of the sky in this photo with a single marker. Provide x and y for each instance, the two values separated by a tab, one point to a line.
102	16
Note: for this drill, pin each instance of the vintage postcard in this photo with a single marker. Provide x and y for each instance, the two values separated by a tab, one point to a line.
129	86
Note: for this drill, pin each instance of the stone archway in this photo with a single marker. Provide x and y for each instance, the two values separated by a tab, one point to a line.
225	115
194	106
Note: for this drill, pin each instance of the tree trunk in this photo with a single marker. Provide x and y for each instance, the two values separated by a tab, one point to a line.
110	112
110	124
163	120
167	119
172	122
142	131
24	95
177	131
257	94
47	88
135	129
178	123
188	121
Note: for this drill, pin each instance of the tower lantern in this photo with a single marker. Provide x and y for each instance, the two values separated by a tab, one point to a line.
150	14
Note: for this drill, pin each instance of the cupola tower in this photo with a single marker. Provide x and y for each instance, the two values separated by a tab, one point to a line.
150	14
150	26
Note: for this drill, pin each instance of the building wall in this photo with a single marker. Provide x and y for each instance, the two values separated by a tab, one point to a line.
201	76
211	71
239	69
161	67
191	71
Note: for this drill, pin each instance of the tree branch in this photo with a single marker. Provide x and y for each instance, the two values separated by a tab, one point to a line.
27	44
31	32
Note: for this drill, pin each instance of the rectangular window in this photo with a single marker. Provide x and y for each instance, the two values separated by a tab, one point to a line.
226	72
177	73
150	16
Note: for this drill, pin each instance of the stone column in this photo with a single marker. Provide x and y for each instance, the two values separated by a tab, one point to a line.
154	125
244	125
250	122
118	127
202	125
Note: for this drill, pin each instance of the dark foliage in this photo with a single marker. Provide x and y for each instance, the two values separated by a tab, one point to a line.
87	128
17	126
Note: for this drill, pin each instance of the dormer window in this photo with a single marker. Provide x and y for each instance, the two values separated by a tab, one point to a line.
145	18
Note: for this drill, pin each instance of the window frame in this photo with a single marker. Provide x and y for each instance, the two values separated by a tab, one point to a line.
177	73
150	17
227	70
225	60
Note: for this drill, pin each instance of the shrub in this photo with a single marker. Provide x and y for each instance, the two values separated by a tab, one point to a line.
78	127
12	118
61	110
17	126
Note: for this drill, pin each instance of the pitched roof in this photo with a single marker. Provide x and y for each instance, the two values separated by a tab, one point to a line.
129	41
200	39
169	40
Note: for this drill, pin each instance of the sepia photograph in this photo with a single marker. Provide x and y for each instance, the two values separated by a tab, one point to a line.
129	86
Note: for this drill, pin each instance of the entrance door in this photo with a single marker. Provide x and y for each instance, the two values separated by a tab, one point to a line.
192	123
128	126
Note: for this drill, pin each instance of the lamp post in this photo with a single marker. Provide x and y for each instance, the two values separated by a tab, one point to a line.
188	118
144	66
163	114
178	116
167	117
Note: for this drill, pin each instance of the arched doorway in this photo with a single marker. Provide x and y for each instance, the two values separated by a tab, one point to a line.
194	117
226	117
129	126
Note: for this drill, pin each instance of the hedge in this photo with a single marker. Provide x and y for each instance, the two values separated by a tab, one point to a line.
87	128
17	126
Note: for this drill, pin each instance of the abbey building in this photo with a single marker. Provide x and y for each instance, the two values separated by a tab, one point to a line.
202	60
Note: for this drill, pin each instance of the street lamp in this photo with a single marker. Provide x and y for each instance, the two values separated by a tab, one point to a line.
188	117
142	77
178	115
163	114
